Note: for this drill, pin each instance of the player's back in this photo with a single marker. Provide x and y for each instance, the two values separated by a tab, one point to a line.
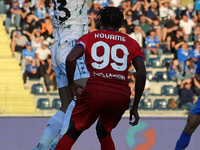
70	12
108	56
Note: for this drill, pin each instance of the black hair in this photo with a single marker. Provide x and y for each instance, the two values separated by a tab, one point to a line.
110	17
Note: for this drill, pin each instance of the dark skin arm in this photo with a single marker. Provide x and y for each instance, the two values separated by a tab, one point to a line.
138	63
75	53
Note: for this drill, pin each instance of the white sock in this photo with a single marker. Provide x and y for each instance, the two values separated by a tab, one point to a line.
66	120
52	130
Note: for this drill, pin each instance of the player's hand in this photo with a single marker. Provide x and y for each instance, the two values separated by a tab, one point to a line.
134	112
73	90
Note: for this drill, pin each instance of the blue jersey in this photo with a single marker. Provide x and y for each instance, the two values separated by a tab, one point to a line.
182	54
195	53
29	55
31	68
151	43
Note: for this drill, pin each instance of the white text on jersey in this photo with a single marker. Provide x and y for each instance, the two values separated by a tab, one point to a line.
110	36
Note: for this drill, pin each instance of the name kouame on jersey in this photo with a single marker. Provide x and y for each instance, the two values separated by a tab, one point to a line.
69	12
108	55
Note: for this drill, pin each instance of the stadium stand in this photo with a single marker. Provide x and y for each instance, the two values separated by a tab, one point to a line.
14	99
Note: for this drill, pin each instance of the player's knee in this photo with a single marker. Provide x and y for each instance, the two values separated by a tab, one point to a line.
72	131
101	131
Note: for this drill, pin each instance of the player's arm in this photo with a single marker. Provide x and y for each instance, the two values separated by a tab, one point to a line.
75	53
138	63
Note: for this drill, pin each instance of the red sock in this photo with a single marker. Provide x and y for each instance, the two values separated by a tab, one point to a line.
107	143
65	143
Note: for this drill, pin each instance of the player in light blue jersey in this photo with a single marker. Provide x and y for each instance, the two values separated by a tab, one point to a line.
193	119
69	24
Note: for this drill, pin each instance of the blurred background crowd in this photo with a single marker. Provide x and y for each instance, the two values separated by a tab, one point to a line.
161	27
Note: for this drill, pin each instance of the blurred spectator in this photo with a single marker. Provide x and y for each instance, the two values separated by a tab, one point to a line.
187	25
91	24
129	24
47	28
36	39
93	11
138	10
151	10
43	52
3	9
18	42
50	10
157	27
152	46
145	24
138	35
33	3
183	55
186	95
49	74
32	71
176	6
165	12
197	7
29	25
111	3
13	15
190	69
26	9
195	53
174	71
27	55
103	2
176	40
190	12
169	32
40	10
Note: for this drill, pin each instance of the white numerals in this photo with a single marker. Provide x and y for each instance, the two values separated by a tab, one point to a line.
103	61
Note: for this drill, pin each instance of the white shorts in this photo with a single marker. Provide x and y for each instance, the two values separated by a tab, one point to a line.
59	54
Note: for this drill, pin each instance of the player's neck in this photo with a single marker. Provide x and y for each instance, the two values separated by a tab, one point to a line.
110	28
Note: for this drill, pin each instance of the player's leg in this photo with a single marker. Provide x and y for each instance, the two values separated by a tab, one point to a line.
115	106
69	138
104	138
193	121
55	123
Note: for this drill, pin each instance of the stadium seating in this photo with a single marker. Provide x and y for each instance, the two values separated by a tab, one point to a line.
155	63
37	89
166	62
160	104
161	76
149	75
43	103
168	90
146	105
56	103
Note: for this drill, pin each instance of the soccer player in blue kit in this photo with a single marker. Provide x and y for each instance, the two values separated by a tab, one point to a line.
193	119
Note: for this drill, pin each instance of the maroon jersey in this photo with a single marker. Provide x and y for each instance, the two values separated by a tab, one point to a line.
108	55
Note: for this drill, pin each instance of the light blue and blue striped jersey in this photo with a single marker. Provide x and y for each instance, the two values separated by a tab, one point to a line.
29	55
151	43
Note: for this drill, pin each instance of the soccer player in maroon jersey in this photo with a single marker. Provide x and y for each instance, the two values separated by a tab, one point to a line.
106	96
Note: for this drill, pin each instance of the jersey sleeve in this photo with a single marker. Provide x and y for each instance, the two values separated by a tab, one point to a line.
82	42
